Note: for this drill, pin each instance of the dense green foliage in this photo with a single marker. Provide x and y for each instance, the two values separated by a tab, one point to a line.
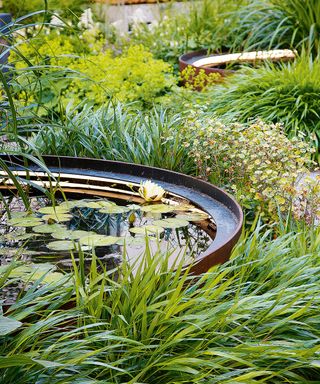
251	320
288	93
74	90
66	73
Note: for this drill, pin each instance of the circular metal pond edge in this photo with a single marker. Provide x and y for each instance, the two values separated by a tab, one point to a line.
93	177
211	63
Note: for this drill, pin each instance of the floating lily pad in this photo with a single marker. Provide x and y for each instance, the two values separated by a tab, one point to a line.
26	236
192	216
158	208
19	214
33	272
114	209
147	228
27	221
10	252
69	204
94	204
60	217
96	240
58	209
71	235
62	245
49	228
171	223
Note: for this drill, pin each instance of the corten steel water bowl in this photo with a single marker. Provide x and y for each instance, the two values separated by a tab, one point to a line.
90	177
218	63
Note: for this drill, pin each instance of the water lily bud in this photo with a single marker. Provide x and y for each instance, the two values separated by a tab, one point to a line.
150	191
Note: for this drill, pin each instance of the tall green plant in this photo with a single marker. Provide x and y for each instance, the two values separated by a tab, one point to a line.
253	319
118	132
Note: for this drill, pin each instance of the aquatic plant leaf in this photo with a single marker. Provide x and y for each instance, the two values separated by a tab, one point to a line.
33	272
96	240
27	221
158	208
11	252
60	217
171	223
53	210
19	214
26	236
49	228
70	234
94	204
147	228
78	234
8	325
192	216
114	209
69	204
62	245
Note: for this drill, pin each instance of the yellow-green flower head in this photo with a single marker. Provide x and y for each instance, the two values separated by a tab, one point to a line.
150	191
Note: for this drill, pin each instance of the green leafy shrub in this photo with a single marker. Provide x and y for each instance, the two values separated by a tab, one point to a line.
286	93
63	72
198	81
254	318
257	162
20	8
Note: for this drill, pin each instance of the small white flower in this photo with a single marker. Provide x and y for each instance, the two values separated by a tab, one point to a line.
86	19
150	191
56	21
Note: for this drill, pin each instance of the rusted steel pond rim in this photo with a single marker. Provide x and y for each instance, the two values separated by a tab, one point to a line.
189	58
225	211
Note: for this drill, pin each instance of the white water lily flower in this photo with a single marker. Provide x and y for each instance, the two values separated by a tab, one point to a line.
150	191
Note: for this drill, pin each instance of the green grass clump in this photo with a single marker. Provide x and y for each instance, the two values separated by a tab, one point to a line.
279	24
254	319
117	133
288	93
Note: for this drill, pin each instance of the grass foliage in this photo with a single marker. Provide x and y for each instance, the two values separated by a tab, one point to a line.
251	320
288	93
118	133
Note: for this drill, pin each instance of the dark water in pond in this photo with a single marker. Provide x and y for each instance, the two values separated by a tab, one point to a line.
107	227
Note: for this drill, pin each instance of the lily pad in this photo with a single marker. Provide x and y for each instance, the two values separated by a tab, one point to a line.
62	245
94	204
58	216
114	209
147	228
26	236
15	215
158	208
171	223
68	204
27	221
96	240
49	228
71	235
53	210
192	216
